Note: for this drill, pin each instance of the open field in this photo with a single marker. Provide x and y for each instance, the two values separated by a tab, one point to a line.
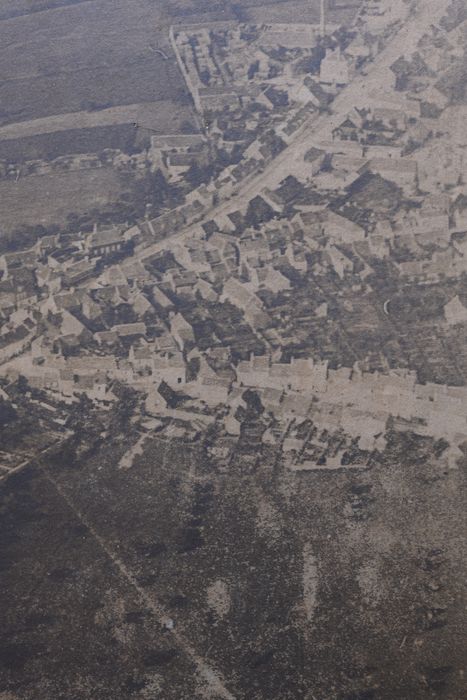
91	132
47	199
224	556
89	630
159	117
91	54
51	145
296	11
17	8
198	11
149	79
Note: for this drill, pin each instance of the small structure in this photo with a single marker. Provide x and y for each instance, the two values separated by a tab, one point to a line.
455	312
334	69
105	242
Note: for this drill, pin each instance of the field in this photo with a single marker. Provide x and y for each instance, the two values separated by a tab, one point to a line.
87	633
124	128
47	199
295	11
224	554
159	117
17	8
87	55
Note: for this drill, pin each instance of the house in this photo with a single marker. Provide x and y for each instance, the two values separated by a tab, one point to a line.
165	343
7	297
391	120
270	278
349	129
318	95
166	150
182	282
402	171
338	261
240	295
455	312
433	96
315	157
295	406
334	69
358	49
192	256
79	272
70	325
206	291
339	229
141	358
181	331
91	364
213	389
257	318
254	249
298	375
431	228
105	242
134	272
90	309
296	257
141	305
127	329
160	299
170	368
14	342
271	399
106	337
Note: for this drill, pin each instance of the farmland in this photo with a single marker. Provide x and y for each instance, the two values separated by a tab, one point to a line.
85	56
184	530
47	199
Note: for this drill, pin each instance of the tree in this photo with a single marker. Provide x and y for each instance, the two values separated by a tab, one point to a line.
194	175
7	413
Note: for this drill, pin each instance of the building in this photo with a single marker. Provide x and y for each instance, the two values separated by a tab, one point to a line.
105	242
334	70
455	312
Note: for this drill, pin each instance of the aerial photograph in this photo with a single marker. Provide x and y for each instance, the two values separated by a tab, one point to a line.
233	349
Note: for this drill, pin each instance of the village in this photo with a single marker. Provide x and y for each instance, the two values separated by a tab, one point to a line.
249	286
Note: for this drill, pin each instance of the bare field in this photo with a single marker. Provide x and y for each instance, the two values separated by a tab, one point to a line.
87	55
16	8
156	116
298	11
198	11
47	199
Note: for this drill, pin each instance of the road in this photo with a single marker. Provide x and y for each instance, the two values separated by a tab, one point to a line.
360	92
31	460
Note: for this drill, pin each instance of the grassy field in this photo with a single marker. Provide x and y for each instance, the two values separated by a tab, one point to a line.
86	55
257	11
17	8
71	625
50	146
182	525
47	199
158	116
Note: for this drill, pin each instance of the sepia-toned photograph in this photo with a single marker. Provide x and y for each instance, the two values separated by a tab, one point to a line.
233	349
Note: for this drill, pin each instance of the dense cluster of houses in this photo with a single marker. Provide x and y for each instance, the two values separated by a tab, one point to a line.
193	325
